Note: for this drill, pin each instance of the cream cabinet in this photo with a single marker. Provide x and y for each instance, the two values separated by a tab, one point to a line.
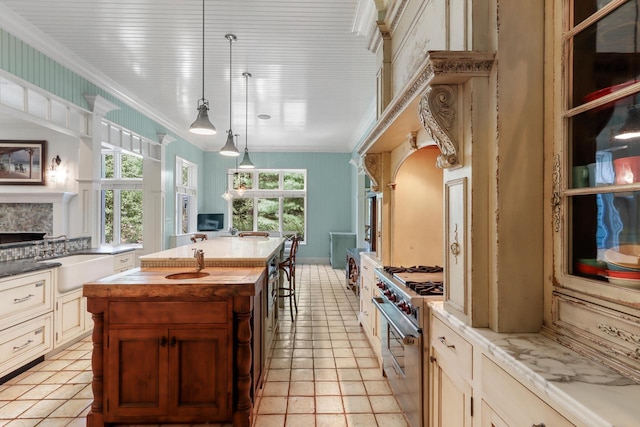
509	402
70	317
450	376
124	261
368	315
26	305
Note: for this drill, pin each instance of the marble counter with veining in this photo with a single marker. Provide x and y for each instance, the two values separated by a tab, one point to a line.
590	392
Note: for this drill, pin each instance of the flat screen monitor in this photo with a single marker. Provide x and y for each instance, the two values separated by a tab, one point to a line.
210	221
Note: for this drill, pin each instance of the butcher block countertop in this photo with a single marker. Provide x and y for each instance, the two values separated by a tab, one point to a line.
219	252
152	283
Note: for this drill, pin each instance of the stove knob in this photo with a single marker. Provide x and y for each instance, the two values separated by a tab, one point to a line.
408	309
393	298
387	293
402	306
381	285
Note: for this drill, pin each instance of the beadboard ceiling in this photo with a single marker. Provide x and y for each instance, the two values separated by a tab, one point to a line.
311	73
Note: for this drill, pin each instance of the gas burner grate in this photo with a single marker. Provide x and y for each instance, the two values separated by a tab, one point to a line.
414	269
426	288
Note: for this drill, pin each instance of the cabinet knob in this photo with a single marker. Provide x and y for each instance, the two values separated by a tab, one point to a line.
432	359
163	341
173	342
538	425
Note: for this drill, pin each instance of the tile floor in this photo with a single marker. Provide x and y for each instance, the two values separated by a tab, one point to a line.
322	371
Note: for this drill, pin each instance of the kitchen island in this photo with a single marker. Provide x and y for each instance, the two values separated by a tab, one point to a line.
185	350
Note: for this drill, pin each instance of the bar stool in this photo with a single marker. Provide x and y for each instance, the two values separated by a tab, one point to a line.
254	234
195	237
288	265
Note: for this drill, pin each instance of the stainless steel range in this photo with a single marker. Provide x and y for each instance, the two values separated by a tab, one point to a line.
404	328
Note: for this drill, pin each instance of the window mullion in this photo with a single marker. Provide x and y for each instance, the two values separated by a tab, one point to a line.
117	216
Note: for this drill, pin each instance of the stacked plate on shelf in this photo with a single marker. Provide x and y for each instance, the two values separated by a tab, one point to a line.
623	264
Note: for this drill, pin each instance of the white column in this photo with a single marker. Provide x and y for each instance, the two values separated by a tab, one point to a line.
89	169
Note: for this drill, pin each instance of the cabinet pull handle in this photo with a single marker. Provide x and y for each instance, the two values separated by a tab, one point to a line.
444	342
20	347
163	341
432	359
173	342
23	299
538	425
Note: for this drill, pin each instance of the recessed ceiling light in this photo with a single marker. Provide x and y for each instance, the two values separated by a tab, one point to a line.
264	116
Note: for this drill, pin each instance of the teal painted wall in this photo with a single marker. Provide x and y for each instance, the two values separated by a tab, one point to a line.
329	194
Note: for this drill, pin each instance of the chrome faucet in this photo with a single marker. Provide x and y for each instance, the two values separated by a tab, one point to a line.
51	251
198	254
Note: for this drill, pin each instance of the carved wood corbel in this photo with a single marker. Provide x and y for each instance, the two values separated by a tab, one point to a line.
438	115
372	167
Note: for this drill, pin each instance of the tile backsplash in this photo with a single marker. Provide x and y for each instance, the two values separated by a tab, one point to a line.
28	250
22	217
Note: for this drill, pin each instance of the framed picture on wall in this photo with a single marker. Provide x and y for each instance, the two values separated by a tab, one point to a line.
22	162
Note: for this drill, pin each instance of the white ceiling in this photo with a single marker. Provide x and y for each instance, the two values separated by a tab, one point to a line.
311	73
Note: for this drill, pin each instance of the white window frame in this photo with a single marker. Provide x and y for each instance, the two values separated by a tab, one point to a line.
187	192
117	184
256	194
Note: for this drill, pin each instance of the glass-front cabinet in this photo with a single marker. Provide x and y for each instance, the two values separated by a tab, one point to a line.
596	181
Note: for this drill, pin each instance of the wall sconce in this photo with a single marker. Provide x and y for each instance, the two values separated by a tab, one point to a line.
55	172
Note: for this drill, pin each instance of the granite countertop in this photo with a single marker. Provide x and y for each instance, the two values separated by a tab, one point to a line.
591	392
153	283
106	250
219	251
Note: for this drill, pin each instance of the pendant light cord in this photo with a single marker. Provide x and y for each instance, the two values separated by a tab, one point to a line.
246	107
230	82
203	67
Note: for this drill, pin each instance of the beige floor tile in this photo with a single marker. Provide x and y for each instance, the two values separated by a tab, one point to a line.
371	374
13	392
353	388
303	352
349	374
26	422
302	363
78	365
85	393
278	375
14	409
384	404
276	388
43	408
356	404
327	388
324	362
361	420
377	388
322	352
392	420
302	388
346	362
273	405
66	391
54	365
269	421
343	352
72	408
61	377
281	363
322	374
36	377
300	420
302	375
317	343
301	405
329	404
331	420
40	391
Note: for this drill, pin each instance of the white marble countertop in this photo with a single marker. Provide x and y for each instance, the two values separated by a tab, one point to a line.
219	250
591	393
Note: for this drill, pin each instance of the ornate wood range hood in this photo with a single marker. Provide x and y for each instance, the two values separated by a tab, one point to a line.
429	100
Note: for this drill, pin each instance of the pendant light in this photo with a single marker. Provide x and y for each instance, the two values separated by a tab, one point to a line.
246	161
241	188
631	127
202	125
227	195
230	148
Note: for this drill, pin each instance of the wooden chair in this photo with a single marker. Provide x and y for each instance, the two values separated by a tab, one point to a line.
254	234
288	265
195	237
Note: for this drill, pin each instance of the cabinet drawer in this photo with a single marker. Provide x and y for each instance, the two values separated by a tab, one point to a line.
455	349
367	267
513	402
123	262
24	297
24	343
169	312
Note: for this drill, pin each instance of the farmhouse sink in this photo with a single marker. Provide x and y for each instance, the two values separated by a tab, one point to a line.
77	270
187	275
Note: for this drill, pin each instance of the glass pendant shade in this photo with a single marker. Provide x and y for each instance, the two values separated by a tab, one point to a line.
246	161
230	148
227	196
202	125
631	127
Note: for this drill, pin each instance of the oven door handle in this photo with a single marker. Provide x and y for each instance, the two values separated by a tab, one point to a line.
409	333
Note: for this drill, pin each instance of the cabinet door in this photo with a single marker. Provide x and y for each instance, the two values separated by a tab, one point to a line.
451	395
70	317
490	418
200	367
136	372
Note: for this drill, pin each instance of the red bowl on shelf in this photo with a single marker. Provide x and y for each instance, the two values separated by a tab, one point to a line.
623	274
627	169
606	91
591	267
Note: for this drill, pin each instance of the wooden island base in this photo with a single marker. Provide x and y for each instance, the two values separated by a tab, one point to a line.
179	351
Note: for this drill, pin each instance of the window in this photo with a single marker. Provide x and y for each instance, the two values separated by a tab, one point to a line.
121	198
186	181
269	200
